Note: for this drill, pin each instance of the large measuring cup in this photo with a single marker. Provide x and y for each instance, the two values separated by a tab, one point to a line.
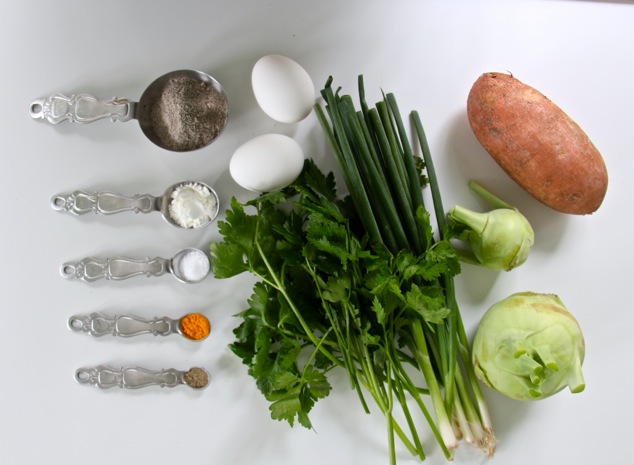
180	111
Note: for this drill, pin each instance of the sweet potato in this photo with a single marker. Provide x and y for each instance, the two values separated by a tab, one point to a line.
538	145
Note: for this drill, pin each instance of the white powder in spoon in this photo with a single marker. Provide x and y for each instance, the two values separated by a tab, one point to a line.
193	205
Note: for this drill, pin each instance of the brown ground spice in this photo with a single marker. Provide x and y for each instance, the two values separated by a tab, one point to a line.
196	378
189	114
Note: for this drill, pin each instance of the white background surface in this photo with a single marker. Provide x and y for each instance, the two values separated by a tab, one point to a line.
578	53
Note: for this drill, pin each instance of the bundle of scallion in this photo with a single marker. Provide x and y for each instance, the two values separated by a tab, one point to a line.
385	182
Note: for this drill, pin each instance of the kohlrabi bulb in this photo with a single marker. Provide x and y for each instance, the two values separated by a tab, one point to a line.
500	239
529	347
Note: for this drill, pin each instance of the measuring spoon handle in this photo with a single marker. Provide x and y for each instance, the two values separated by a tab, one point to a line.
98	324
105	377
80	202
91	268
81	108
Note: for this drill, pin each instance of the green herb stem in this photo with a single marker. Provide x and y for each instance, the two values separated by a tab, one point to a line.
408	158
431	173
351	175
384	201
280	288
422	356
459	340
396	181
465	353
344	342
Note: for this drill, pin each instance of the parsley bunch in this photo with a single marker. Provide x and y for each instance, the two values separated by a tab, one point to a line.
326	298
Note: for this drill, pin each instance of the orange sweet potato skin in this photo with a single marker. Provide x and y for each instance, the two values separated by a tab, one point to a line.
538	145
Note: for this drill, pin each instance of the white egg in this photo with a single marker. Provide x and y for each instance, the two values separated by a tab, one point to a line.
267	163
282	88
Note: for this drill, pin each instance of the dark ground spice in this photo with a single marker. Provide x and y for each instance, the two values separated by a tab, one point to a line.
188	114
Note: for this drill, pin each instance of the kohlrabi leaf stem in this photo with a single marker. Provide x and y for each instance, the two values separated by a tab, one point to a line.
487	195
575	380
476	221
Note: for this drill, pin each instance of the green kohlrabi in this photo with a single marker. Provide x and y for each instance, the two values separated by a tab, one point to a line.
528	347
500	239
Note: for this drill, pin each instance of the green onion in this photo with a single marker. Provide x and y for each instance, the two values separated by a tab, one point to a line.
372	150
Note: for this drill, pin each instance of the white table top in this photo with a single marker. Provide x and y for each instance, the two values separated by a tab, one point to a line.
428	53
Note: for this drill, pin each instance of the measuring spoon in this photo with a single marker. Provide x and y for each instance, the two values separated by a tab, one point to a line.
99	324
204	116
105	377
80	202
188	266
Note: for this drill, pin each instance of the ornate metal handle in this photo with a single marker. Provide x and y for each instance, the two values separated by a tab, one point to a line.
99	324
105	377
81	108
104	203
91	268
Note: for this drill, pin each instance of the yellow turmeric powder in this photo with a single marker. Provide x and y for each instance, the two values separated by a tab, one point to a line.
195	326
